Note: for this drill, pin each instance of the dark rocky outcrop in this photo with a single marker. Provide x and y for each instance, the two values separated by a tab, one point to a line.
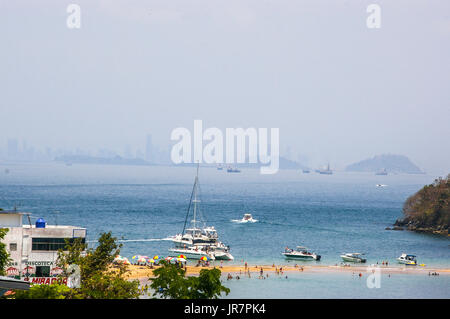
428	210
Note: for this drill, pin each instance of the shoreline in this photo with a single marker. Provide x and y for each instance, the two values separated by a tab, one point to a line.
144	272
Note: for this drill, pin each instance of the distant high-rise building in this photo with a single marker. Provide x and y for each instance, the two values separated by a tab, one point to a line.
13	148
127	151
149	149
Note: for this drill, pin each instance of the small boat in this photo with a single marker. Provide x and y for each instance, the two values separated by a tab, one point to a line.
381	185
382	172
407	259
306	171
326	171
221	252
353	257
248	218
219	167
300	253
232	170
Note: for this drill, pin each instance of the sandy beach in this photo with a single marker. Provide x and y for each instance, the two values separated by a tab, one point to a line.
141	272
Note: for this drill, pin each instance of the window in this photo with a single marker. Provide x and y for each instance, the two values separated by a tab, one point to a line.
12	246
42	271
51	243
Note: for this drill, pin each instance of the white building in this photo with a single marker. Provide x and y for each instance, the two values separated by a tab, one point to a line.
34	248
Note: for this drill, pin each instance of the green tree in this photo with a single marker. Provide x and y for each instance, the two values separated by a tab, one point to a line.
54	291
4	256
98	279
207	285
171	282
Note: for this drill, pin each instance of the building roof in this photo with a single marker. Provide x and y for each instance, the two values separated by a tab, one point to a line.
13	212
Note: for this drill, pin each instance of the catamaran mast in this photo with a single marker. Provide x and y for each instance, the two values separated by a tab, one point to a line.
195	201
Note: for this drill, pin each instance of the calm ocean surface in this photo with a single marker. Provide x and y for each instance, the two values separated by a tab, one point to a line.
344	212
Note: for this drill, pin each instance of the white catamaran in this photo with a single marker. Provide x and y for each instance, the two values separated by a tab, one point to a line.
196	242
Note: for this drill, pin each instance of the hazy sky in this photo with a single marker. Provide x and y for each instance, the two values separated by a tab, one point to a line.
338	91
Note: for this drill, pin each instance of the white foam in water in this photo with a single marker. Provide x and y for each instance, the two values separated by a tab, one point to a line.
133	240
240	221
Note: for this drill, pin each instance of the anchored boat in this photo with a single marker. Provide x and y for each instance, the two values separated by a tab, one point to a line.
407	259
353	257
196	241
300	252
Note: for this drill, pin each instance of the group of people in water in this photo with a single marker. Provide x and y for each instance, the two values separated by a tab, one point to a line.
278	271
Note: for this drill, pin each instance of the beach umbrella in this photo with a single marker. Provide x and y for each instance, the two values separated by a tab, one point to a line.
181	259
182	256
134	257
151	261
118	258
141	260
204	258
168	258
156	257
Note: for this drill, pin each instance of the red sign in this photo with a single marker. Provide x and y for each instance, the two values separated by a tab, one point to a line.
47	280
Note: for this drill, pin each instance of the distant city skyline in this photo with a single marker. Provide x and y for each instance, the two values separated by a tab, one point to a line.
22	151
338	91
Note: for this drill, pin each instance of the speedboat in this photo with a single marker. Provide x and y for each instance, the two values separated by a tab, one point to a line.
221	252
407	259
248	218
300	253
353	257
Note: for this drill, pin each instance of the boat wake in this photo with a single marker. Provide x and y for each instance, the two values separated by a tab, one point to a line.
130	240
240	221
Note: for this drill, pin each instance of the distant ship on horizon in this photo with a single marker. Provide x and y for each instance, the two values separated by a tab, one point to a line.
326	171
382	172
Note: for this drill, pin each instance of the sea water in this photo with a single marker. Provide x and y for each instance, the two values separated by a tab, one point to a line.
330	214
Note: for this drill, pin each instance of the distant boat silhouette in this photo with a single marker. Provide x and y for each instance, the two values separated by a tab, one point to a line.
326	171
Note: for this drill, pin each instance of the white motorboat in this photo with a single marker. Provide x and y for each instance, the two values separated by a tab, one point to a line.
221	252
300	253
407	259
248	218
353	257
